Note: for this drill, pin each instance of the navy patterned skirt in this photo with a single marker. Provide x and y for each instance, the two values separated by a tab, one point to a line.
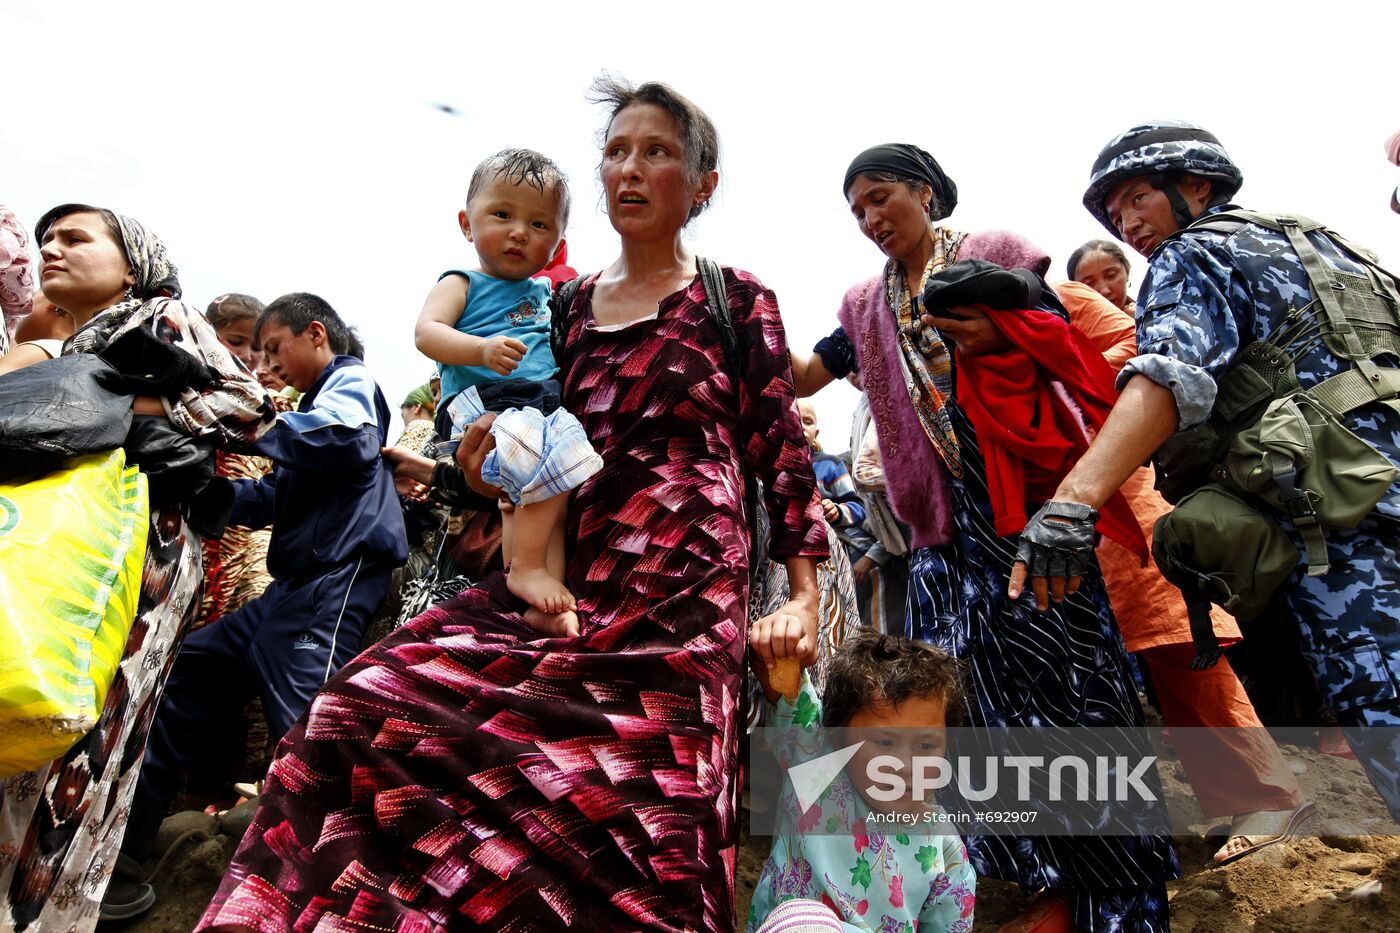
1063	667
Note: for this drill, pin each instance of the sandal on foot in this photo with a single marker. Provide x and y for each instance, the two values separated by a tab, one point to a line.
1273	826
1048	913
248	790
1333	741
127	894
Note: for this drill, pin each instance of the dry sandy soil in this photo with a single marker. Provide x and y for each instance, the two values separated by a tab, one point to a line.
1303	885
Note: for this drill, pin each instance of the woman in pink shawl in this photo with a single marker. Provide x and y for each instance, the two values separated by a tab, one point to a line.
1058	668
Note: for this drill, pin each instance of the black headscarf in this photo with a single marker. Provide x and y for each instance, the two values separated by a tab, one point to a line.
905	161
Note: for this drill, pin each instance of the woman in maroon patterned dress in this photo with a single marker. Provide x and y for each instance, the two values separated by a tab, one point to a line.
467	773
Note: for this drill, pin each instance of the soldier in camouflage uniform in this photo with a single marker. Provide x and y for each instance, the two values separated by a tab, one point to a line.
1206	296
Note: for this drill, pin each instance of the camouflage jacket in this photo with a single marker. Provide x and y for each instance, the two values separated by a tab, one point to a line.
1207	295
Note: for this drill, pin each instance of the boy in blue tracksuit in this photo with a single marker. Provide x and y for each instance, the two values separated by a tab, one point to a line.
337	534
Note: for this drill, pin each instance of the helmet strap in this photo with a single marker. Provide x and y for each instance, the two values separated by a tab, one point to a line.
1167	185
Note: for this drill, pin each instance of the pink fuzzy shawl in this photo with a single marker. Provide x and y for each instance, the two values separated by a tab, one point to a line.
915	477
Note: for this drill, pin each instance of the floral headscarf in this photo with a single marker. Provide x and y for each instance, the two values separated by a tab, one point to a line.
155	275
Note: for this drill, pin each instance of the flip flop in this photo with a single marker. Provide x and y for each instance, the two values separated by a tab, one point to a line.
127	894
1249	843
248	790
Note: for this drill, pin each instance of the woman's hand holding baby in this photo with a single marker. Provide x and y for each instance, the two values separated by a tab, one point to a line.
476	443
970	329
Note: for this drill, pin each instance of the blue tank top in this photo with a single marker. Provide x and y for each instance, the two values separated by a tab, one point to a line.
518	309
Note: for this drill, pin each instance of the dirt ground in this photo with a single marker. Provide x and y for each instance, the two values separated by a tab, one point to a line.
1344	884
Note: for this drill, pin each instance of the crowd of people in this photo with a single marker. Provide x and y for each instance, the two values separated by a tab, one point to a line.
621	474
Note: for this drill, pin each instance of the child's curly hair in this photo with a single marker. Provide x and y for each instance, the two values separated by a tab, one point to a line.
871	668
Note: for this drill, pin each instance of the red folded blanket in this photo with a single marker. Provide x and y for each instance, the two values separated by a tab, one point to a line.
1030	405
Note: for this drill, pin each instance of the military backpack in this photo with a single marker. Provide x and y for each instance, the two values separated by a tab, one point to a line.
1273	450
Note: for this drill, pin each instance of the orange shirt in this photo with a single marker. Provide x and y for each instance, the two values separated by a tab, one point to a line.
1111	329
1150	610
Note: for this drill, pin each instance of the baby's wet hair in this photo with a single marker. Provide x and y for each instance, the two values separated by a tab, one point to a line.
872	669
524	167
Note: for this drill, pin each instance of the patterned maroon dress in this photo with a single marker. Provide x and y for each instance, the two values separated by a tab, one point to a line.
466	774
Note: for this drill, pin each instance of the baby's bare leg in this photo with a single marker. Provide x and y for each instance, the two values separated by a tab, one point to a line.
560	624
554	554
534	575
507	531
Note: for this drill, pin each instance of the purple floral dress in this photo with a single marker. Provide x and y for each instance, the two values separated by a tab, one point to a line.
915	881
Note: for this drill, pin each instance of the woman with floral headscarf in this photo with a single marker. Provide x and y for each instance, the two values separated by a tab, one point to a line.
61	825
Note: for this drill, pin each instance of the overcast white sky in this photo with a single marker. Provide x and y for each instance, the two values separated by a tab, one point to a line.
287	146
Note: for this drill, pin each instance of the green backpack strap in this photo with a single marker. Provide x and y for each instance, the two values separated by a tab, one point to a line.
1325	290
1351	389
1325	287
1367	382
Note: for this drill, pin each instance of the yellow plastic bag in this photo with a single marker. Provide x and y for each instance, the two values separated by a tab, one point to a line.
72	546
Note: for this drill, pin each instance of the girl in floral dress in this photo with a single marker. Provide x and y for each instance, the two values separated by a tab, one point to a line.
837	865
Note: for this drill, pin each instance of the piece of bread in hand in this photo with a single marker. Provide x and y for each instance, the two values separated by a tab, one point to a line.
785	677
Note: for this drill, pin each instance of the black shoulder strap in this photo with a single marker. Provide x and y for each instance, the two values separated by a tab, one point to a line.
717	299
559	304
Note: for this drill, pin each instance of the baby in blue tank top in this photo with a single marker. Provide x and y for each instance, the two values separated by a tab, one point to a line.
488	330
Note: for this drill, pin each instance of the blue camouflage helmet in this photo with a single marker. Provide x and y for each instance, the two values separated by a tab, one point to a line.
1161	147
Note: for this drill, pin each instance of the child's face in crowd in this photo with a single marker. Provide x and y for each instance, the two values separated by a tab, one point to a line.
238	337
267	378
916	727
295	359
808	414
514	227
